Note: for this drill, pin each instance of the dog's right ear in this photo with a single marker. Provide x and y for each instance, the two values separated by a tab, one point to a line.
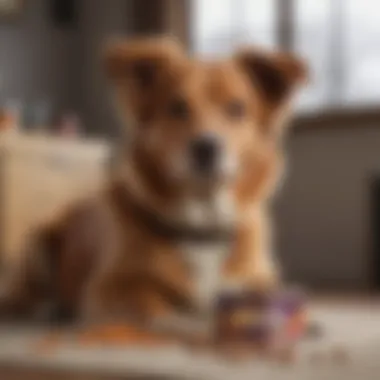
141	70
276	77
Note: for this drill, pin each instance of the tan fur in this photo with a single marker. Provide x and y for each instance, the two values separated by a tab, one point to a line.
109	262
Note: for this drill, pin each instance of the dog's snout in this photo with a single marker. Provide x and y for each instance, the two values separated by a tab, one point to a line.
205	153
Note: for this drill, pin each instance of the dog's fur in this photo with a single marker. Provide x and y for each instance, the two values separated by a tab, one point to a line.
106	260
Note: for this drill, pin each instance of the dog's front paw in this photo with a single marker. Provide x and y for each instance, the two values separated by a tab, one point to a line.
264	281
266	276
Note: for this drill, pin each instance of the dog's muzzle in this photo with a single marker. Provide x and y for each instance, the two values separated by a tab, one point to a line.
205	155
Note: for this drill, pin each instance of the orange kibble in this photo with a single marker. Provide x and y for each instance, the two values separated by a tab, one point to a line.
118	335
89	339
112	335
49	343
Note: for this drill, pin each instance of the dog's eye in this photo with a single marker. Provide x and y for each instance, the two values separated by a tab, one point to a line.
179	108
236	109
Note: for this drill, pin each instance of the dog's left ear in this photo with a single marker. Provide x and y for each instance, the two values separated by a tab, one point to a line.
141	70
275	77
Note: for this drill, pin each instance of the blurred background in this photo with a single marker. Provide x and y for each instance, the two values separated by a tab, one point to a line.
54	98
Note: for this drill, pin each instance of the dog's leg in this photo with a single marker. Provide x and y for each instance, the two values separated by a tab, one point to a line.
122	297
144	307
252	262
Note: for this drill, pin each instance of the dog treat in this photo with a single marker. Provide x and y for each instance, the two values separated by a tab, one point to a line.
103	335
264	322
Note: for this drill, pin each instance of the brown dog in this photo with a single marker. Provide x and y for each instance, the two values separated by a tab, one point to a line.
186	210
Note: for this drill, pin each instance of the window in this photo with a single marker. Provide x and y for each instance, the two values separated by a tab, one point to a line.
314	37
362	51
340	39
221	24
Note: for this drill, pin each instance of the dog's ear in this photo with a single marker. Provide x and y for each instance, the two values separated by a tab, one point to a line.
275	77
140	70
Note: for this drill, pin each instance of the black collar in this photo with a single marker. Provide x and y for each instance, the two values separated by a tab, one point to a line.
164	229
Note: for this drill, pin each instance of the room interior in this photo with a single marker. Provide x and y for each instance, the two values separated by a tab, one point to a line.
57	122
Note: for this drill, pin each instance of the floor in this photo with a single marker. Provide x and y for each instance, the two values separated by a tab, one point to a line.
351	324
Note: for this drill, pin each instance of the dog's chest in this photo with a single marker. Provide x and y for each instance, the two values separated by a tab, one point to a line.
206	259
205	262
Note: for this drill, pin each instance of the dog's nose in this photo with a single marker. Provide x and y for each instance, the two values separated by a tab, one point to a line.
205	153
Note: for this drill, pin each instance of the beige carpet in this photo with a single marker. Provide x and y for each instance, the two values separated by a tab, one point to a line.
353	325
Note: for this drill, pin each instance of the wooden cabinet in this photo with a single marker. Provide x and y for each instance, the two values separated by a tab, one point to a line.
39	175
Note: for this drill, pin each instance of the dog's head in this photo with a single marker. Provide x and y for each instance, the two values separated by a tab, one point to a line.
200	124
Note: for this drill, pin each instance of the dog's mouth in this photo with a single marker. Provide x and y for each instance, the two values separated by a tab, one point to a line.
205	172
208	180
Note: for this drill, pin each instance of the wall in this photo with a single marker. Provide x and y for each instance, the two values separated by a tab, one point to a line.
37	60
41	61
100	21
323	212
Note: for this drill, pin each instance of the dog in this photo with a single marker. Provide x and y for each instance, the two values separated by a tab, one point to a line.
185	212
